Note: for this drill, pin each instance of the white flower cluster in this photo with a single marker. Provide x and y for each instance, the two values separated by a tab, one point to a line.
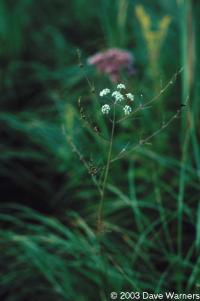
104	92
127	110
118	96
121	86
105	109
130	96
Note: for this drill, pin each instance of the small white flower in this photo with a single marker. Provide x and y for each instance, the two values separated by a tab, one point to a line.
127	110
105	109
121	86
118	96
130	96
104	92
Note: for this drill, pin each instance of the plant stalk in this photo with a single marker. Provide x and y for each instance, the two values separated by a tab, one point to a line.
100	210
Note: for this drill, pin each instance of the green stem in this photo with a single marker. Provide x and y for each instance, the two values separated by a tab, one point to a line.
100	210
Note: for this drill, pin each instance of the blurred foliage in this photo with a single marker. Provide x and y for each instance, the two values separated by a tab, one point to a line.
153	38
49	248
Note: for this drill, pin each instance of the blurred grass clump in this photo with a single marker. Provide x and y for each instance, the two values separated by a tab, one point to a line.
49	246
154	39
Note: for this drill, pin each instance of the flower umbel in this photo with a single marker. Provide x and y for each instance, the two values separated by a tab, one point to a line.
105	109
130	96
127	110
104	92
112	62
121	86
118	96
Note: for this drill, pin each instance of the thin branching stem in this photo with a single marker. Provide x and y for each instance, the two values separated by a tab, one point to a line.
85	163
155	98
146	140
100	210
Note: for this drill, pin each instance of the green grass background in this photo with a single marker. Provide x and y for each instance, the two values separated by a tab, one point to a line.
49	249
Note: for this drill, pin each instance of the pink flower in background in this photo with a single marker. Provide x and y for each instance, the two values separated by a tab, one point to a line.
112	62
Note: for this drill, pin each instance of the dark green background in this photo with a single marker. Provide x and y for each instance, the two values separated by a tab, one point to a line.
49	249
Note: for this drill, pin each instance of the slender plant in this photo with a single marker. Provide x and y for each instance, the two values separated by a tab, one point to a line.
119	106
122	96
118	98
